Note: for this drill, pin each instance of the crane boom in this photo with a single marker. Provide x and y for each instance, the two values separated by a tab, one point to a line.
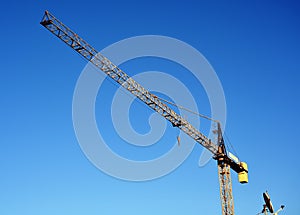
101	62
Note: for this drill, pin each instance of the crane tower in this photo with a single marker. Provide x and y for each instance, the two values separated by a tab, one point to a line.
225	160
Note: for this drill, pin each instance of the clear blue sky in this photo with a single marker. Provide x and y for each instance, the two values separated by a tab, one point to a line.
253	47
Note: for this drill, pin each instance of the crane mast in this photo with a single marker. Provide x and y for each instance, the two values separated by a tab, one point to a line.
225	163
224	177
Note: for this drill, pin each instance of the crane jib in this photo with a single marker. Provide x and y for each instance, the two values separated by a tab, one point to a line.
101	62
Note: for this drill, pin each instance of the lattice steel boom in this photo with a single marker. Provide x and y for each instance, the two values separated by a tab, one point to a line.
88	52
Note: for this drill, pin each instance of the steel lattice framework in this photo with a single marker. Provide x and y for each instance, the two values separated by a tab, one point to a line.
225	188
101	62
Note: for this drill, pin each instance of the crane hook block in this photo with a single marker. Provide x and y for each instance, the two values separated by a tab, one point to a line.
243	176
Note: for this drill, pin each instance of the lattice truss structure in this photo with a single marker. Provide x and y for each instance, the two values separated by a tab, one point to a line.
101	62
105	65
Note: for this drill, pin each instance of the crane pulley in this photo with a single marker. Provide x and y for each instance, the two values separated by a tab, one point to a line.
225	162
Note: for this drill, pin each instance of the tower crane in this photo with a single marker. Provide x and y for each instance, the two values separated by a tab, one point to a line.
225	160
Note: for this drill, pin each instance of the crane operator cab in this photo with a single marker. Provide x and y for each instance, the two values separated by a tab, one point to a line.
240	167
243	176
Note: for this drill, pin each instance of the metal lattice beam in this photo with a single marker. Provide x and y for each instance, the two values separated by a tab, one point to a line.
225	189
88	52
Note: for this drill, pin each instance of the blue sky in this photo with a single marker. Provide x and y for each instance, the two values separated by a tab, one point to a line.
254	49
